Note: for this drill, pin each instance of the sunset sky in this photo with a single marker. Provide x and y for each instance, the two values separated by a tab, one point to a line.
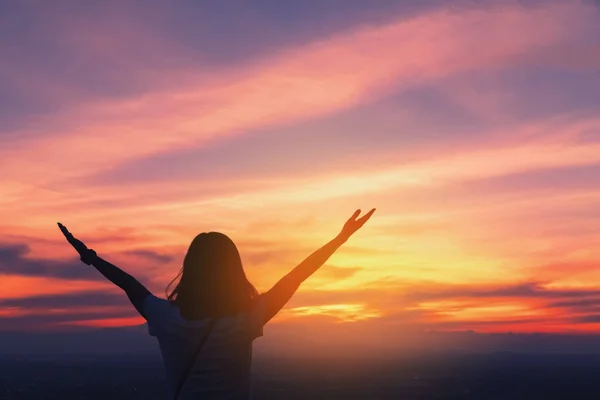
472	126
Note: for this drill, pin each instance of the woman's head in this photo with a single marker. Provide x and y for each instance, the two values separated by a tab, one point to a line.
213	282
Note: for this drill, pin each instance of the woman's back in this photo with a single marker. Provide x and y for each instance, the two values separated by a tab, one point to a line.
212	282
222	368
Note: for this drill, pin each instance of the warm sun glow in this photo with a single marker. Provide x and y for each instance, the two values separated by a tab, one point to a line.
460	311
342	312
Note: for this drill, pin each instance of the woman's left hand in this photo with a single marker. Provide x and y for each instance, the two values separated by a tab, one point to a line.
354	223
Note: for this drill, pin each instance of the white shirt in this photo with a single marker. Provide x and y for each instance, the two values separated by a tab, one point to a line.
222	369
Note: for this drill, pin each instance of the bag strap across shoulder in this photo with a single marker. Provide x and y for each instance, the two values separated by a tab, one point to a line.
186	372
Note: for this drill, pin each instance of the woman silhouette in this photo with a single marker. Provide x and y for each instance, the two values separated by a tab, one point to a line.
206	327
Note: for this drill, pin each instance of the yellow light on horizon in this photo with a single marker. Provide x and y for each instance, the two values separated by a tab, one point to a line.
343	312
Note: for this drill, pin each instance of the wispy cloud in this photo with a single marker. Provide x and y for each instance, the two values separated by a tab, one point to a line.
314	80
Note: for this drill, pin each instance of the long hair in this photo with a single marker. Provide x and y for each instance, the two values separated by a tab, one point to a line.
212	281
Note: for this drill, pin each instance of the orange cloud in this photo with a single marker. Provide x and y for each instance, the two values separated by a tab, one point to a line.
342	312
105	322
17	286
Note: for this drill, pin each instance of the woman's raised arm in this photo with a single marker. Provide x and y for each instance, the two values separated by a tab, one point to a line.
280	294
136	292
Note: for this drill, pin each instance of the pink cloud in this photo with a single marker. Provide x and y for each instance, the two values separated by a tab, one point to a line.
316	79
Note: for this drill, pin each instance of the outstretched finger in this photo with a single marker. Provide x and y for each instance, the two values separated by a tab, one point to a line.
356	214
65	231
365	217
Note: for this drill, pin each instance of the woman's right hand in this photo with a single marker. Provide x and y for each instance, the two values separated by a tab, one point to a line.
353	224
85	254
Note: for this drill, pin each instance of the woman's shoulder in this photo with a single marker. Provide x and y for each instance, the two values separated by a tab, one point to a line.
152	300
155	306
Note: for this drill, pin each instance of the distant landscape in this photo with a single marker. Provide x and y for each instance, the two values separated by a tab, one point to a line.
124	363
507	376
297	341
